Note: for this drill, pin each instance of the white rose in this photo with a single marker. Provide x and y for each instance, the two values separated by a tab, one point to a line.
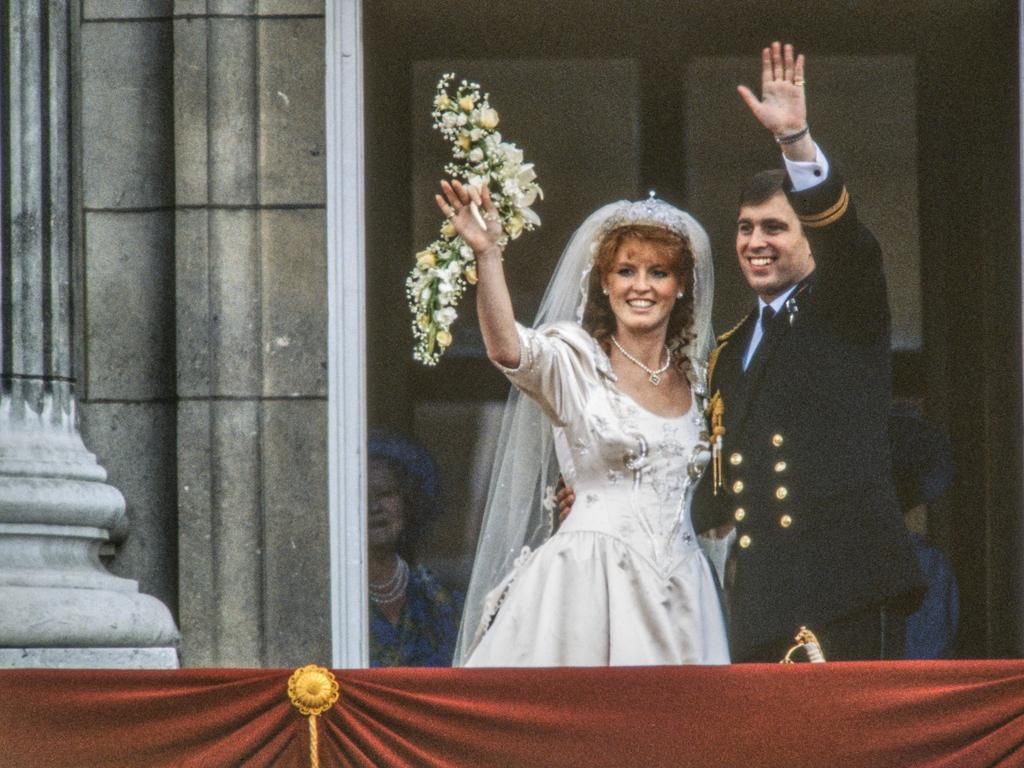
476	134
449	120
445	316
461	119
476	155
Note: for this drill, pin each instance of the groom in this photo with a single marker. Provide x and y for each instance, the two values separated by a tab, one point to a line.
802	390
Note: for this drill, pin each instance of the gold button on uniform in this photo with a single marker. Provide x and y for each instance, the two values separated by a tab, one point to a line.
737	487
780	466
781	492
744	541
739	514
736	459
785	521
777	440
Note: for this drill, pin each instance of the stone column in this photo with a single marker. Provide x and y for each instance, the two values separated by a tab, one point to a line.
59	606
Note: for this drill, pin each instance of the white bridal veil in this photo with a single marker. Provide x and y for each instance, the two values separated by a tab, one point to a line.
520	505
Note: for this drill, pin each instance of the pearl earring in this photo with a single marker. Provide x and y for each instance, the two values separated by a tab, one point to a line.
679	295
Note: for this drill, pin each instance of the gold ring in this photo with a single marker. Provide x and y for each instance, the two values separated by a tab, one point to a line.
799	82
491	216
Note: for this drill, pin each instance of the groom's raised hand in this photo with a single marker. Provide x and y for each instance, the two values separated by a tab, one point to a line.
782	108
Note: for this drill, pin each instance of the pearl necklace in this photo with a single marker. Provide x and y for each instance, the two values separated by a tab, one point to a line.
654	376
393	588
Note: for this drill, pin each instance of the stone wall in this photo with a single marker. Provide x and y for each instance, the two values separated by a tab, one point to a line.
203	313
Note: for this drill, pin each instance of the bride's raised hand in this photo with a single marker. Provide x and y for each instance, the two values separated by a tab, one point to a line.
479	229
782	108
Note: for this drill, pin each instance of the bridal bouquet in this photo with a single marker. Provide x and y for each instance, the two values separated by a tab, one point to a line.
479	157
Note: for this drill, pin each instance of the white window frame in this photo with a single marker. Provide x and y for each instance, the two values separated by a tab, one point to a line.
346	335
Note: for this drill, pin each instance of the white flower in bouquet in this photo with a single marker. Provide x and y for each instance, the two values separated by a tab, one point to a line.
445	316
480	157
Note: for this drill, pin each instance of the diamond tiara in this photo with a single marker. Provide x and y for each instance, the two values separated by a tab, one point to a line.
649	211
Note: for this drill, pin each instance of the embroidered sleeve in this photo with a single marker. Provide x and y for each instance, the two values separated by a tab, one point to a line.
556	365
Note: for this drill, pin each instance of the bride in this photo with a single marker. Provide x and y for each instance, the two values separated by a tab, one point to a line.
609	391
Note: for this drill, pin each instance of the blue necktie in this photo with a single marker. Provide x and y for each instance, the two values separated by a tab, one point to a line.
768	329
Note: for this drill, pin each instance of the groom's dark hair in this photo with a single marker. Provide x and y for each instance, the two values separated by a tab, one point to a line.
762	187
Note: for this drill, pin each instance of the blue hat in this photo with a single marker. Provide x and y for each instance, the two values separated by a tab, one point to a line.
416	464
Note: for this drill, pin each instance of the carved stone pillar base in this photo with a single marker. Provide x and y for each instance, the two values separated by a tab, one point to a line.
89	658
57	600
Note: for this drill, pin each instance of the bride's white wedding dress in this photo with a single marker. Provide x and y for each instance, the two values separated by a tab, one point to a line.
623	581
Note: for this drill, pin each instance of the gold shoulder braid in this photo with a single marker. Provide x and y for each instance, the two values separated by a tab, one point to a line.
722	340
712	362
313	690
716	411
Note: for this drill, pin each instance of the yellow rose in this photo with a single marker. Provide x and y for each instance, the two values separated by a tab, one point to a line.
488	118
464	142
466	103
471	274
514	227
442	101
424	321
447	230
443	338
426	259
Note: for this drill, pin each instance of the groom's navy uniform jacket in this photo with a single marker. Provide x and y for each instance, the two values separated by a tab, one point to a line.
807	471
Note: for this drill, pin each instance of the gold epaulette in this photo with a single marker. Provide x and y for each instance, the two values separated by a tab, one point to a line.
830	215
722	339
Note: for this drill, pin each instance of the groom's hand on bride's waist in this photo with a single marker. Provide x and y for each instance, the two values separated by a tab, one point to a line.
565	496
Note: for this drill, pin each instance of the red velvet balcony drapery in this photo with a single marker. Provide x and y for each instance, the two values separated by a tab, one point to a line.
962	714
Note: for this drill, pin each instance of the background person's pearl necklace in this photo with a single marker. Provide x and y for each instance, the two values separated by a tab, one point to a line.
654	376
393	588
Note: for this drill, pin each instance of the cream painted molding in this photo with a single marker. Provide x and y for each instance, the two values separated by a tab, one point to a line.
346	366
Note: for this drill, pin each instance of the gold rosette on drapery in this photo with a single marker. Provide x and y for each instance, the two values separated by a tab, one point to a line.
313	690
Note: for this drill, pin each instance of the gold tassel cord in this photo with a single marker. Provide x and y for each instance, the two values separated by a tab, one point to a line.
313	690
717	433
314	746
